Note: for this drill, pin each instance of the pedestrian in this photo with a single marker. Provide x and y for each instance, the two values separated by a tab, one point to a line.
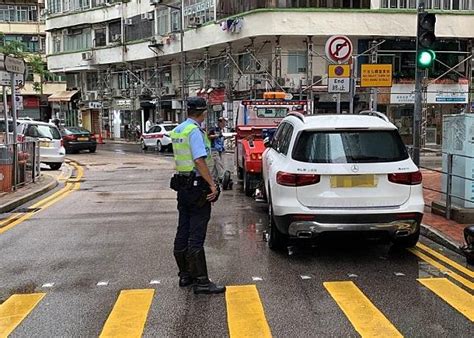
196	191
148	124
217	148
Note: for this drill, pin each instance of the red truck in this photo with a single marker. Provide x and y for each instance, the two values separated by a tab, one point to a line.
257	119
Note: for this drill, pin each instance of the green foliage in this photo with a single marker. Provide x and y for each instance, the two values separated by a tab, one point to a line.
13	48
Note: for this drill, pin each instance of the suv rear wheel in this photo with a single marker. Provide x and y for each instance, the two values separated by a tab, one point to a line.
276	240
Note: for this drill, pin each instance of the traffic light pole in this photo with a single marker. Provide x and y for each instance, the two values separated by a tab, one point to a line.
417	111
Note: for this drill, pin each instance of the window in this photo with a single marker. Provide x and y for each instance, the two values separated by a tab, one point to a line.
92	81
100	36
78	39
163	21
350	147
286	139
297	62
115	31
175	21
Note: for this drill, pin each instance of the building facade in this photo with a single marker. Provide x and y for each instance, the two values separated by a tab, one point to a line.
125	57
22	25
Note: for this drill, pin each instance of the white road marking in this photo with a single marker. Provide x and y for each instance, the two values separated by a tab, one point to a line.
303	277
47	285
256	279
155	281
103	283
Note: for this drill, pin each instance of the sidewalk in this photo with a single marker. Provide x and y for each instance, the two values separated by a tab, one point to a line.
446	232
12	200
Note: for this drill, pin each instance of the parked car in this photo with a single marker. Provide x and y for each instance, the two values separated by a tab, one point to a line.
52	151
78	138
158	137
341	173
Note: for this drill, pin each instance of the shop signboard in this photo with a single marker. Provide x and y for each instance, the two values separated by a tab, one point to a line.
456	93
125	104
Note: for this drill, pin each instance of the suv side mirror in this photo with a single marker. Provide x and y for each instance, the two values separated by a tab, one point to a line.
267	142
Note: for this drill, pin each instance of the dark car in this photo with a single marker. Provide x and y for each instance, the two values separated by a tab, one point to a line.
78	138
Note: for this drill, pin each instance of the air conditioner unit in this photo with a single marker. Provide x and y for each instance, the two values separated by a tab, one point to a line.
195	22
150	16
155	2
86	56
144	16
34	38
129	22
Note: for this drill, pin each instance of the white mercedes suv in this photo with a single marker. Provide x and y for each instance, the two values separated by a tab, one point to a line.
341	173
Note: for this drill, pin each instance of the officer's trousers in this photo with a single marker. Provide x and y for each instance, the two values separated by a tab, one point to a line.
194	215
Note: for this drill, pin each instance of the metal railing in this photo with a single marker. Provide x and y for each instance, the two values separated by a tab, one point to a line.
448	174
19	164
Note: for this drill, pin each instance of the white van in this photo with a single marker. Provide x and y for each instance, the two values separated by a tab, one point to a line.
52	150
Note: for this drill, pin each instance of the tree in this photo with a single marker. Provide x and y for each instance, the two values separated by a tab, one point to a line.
38	67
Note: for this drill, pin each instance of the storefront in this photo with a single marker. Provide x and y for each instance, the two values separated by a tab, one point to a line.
126	115
91	116
64	107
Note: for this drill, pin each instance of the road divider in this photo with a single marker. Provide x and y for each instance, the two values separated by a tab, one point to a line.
129	314
452	294
245	313
15	309
72	184
367	320
417	252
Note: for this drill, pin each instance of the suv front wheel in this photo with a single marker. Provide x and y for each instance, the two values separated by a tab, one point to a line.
276	240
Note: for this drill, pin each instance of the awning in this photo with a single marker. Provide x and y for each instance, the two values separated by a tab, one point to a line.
64	96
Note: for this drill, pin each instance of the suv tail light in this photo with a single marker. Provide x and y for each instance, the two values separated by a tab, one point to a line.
69	137
413	178
62	143
297	180
254	156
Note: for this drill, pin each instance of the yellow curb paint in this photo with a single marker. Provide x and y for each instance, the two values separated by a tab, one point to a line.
452	294
129	314
442	268
367	320
15	309
72	185
445	259
245	313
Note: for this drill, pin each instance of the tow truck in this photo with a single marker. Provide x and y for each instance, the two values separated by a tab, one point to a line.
256	120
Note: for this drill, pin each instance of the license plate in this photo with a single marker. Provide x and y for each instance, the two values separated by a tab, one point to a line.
353	181
45	144
83	139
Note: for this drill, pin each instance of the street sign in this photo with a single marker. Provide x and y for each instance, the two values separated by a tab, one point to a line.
339	85
338	48
339	71
2	61
5	79
19	102
376	75
14	65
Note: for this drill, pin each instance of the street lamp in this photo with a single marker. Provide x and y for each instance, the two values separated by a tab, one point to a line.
183	56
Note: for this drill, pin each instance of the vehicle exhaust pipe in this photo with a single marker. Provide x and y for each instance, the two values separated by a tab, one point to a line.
304	234
401	233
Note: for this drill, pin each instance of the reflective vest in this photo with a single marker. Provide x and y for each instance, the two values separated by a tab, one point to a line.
183	156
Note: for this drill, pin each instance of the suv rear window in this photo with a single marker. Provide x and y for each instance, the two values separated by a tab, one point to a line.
368	146
40	130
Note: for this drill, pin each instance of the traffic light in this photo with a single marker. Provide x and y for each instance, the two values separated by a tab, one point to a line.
425	39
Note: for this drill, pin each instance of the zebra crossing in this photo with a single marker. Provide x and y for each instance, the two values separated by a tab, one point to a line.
245	312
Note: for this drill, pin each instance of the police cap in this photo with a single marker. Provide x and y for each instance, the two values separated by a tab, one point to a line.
196	103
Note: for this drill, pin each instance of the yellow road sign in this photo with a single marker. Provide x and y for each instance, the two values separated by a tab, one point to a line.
376	75
339	71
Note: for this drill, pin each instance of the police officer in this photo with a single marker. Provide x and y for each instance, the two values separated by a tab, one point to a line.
196	190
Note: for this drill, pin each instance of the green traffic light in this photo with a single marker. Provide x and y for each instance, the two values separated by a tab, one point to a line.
426	58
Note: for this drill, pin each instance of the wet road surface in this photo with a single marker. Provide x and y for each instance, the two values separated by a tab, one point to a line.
115	233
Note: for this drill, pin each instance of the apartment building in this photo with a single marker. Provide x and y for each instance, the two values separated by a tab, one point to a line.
124	57
21	24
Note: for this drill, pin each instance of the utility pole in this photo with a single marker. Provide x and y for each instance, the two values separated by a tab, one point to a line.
470	49
418	107
309	75
373	91
183	65
230	85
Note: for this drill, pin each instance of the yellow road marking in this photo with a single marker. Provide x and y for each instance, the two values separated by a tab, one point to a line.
442	268
15	309
364	316
458	298
16	219
445	259
245	314
129	314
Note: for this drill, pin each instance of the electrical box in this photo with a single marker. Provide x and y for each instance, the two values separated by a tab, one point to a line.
458	139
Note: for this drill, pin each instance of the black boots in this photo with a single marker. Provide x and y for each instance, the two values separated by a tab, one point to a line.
185	278
198	269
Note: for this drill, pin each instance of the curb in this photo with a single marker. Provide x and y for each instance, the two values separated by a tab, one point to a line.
7	207
440	238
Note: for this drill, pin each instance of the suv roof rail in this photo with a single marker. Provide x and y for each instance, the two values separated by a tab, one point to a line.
375	113
296	114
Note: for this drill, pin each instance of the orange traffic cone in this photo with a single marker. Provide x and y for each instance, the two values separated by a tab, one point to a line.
99	138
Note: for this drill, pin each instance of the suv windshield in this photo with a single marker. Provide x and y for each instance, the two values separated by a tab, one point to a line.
170	127
350	147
